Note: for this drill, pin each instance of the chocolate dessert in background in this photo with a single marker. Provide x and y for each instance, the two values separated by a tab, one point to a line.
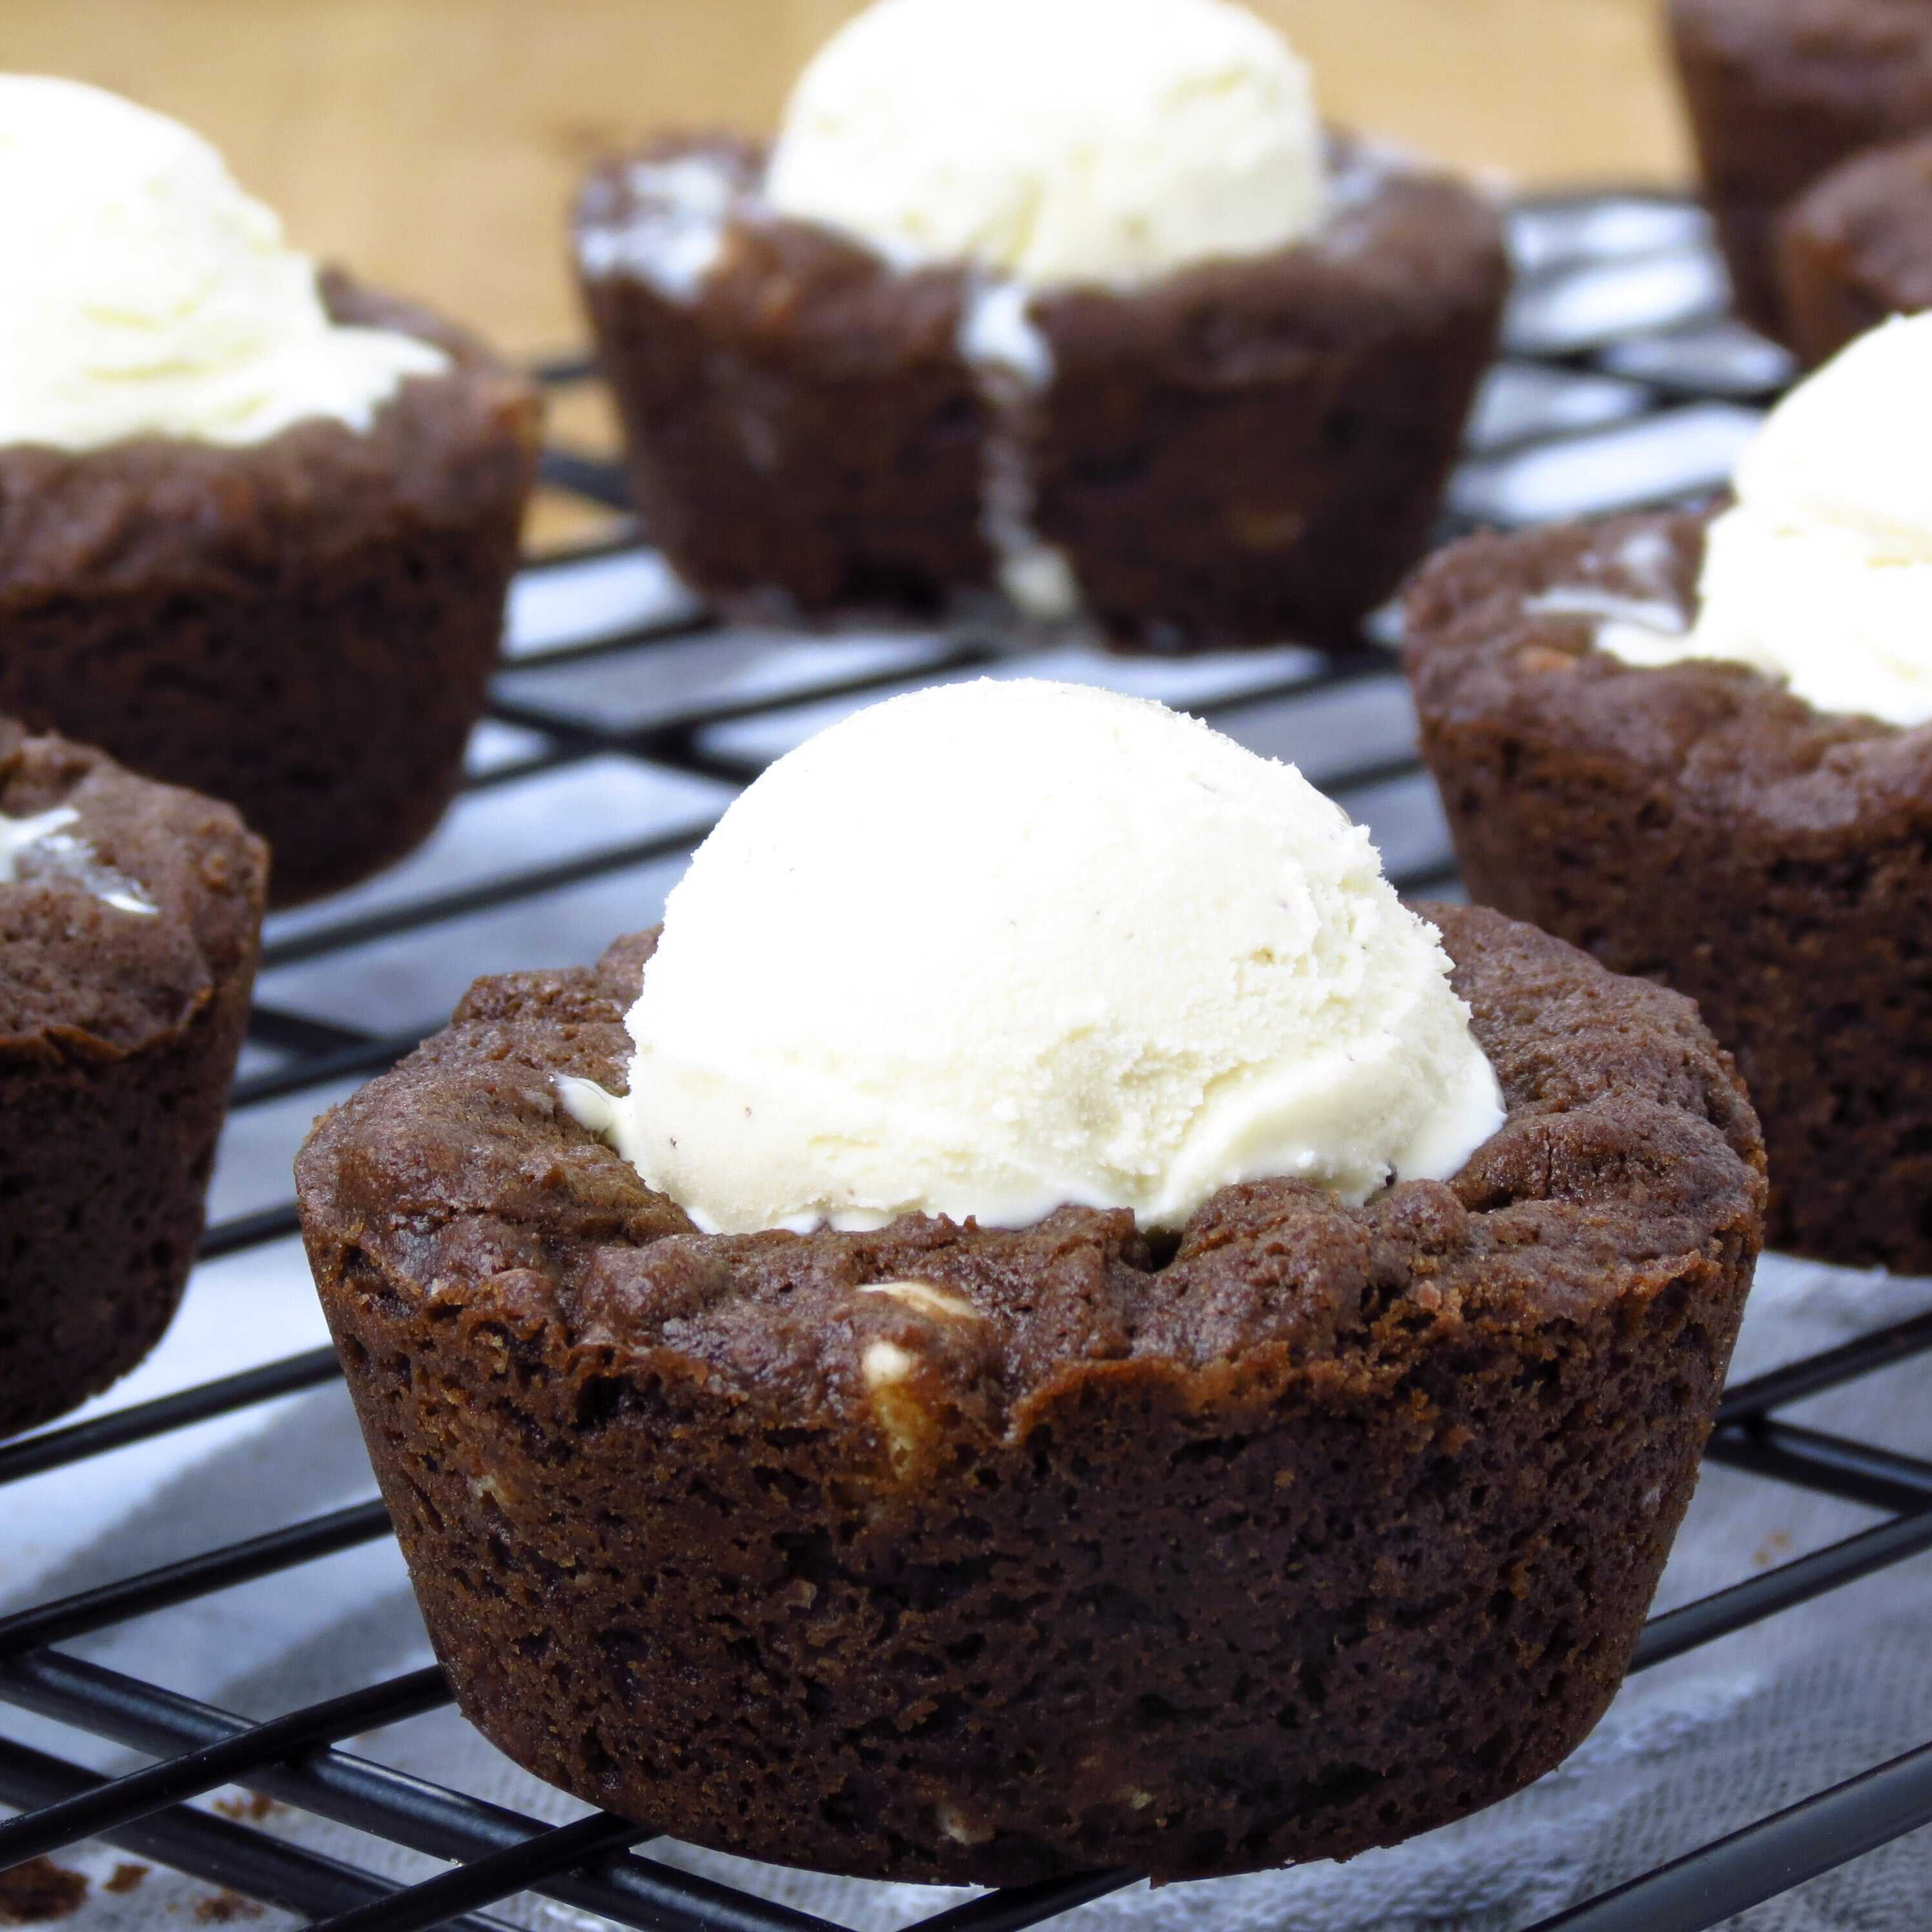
1781	91
1856	247
130	917
256	528
1213	400
1700	744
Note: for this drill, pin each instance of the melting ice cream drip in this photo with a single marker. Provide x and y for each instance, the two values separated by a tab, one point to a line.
1012	361
42	847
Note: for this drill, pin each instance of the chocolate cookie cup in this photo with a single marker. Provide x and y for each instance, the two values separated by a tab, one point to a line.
1697	824
1780	92
131	917
1237	453
1856	247
947	1552
304	627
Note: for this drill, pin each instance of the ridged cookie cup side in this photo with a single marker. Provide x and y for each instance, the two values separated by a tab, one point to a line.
1249	451
119	1033
304	627
1696	823
974	1555
799	422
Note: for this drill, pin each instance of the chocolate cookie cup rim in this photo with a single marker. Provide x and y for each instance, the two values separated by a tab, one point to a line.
1452	643
1700	1114
1823	195
1383	173
1742	27
1767	54
1820	243
183	899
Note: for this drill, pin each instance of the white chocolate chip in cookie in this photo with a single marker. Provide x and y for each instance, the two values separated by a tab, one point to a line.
885	1363
961	1829
924	1297
903	1419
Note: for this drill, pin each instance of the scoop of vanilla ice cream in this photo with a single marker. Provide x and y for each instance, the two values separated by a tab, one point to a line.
1057	141
994	949
149	296
1841	452
1822	575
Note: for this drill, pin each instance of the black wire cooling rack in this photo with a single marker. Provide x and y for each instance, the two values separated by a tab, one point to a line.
1622	383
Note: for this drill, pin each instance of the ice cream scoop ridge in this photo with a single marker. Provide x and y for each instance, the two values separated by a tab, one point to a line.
146	294
1821	576
1055	141
993	948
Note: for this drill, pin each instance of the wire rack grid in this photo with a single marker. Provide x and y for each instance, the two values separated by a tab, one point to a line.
624	720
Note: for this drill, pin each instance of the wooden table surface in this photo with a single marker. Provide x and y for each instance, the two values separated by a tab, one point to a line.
433	145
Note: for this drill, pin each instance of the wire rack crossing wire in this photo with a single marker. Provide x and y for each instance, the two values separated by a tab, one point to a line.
624	720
